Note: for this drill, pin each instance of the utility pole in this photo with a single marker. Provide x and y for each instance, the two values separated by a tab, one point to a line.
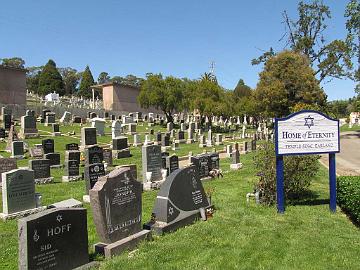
212	68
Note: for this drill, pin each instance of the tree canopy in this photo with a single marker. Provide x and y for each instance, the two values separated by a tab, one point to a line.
287	79
50	80
87	80
15	62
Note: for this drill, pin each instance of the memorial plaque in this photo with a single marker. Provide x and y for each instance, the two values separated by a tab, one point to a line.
41	168
88	136
54	158
72	146
72	168
48	146
92	173
120	143
94	154
180	196
55	239
116	205
151	161
18	190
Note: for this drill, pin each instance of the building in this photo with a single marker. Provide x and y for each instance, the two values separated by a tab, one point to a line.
12	85
355	118
120	97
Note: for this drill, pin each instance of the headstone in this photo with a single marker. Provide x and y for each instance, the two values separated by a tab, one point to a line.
17	149
179	201
151	162
219	139
91	174
48	146
49	119
120	143
72	155
169	126
72	146
108	157
41	168
190	138
116	205
66	118
7	121
28	126
71	171
209	139
99	124
172	163
2	133
202	141
201	163
94	154
165	140
54	159
12	136
88	136
235	162
137	141
131	128
214	161
253	145
56	130
116	129
54	239
37	151
77	119
18	191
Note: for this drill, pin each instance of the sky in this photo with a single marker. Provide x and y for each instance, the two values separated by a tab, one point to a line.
178	38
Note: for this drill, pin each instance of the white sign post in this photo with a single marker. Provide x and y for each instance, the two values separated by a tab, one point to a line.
306	132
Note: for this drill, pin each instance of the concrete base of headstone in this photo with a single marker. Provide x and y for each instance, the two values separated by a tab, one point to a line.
71	178
121	153
41	181
128	243
235	166
86	198
88	266
55	134
202	145
70	203
18	157
189	141
153	185
29	135
24	213
165	148
137	144
56	166
180	141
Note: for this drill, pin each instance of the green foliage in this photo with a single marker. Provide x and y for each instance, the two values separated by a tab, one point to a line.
32	78
130	80
348	195
241	90
103	78
163	94
287	79
87	80
71	79
208	76
50	80
15	62
298	173
339	108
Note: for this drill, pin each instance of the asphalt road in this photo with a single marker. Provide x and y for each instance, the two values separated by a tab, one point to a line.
348	160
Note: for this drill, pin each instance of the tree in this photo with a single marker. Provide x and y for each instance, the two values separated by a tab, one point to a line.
306	35
103	78
339	108
87	80
163	94
209	77
352	13
15	62
32	78
287	79
50	80
71	79
241	90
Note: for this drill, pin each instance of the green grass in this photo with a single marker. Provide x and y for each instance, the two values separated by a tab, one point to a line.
239	236
345	127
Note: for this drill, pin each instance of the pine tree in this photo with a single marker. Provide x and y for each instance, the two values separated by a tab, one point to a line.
87	80
50	80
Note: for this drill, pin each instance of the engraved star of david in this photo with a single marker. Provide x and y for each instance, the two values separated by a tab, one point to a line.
171	211
59	218
309	121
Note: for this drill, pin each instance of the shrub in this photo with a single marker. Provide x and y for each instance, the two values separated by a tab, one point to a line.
298	173
348	195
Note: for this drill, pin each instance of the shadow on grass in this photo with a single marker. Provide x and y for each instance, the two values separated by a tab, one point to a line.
307	197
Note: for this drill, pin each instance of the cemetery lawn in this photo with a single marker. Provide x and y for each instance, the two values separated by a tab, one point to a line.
239	236
345	127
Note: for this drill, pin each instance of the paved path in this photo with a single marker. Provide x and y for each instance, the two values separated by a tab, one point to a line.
348	160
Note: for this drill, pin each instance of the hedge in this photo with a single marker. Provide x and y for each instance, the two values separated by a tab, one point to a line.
348	196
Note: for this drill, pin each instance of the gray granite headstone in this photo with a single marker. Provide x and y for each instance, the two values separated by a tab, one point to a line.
54	239
71	168
151	162
18	190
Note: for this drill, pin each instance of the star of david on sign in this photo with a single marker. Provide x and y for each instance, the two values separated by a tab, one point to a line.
59	218
309	121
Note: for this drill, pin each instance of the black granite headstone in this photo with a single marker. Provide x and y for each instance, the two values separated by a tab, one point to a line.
54	158
92	173
41	168
172	163
71	168
72	146
201	163
94	154
120	143
48	146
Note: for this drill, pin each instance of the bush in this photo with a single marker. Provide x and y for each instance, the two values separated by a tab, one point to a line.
348	195
298	173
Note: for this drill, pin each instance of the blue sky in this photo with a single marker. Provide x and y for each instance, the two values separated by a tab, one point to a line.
178	38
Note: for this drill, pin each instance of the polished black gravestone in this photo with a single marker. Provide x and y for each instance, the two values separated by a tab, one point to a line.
48	146
108	158
71	171
54	159
88	136
201	163
55	239
172	163
179	201
116	206
94	154
71	146
41	168
91	174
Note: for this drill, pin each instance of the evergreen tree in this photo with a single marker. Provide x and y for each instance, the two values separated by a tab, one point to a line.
87	80
50	80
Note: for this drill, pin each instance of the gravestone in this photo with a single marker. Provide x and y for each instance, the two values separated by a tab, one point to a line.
37	151
54	159
54	239
17	149
12	136
179	201
92	115
202	141
77	120
91	174
151	163
71	171
137	141
108	158
94	154
56	130
131	128
169	126
219	139
41	168
72	155
229	150
158	138
49	118
214	161
190	138
253	145
235	161
180	137
7	164
164	155
2	133
48	146
120	147
66	118
88	136
116	129
209	139
18	193
72	146
165	141
201	163
43	114
116	206
172	163
99	124
7	122
28	126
